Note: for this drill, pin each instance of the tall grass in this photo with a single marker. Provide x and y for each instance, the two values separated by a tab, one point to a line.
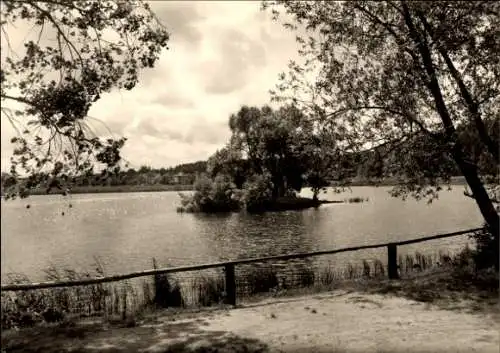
209	290
126	299
167	291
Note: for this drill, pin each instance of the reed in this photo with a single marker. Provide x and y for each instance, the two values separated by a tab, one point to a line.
126	300
209	290
167	291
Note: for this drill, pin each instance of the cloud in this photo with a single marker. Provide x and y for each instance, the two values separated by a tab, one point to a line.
222	55
200	131
173	100
238	55
206	132
147	127
181	19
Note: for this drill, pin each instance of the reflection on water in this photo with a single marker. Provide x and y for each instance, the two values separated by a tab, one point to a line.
238	236
125	231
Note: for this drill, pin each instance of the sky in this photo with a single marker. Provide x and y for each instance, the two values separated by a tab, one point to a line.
221	55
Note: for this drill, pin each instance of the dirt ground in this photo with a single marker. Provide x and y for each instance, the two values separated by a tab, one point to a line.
337	321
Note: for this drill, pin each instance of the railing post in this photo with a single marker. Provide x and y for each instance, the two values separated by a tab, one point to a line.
230	284
392	261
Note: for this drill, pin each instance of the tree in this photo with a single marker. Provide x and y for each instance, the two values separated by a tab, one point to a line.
397	77
273	142
228	161
284	143
319	158
80	50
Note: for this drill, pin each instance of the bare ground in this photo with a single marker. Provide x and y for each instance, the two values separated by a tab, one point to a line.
336	321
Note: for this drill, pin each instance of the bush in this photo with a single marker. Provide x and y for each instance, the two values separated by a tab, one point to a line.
261	280
487	247
219	195
257	193
166	294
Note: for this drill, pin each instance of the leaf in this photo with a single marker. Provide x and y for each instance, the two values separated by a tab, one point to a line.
59	107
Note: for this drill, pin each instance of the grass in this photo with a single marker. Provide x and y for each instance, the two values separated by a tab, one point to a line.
126	301
209	290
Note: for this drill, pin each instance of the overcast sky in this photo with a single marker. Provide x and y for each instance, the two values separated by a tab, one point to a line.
222	55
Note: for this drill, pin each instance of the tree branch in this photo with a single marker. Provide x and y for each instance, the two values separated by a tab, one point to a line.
408	116
399	40
59	30
19	99
468	194
433	83
472	105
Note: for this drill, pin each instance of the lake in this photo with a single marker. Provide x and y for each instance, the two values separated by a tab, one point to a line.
126	230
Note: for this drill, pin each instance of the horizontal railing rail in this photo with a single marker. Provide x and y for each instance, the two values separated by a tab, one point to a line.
229	265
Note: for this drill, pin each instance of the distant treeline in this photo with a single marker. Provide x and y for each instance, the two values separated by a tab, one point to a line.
177	178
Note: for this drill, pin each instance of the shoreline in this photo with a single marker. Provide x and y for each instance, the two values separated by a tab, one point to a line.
162	188
450	290
117	189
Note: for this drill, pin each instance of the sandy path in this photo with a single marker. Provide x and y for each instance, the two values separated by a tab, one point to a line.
330	322
361	323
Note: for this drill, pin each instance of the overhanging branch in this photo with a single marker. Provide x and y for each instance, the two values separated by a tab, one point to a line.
468	194
472	105
406	115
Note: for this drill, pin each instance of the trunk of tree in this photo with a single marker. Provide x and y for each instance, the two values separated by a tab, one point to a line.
472	104
468	170
275	194
278	187
479	193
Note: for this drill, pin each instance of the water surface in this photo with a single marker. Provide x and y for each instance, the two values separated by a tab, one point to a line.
125	231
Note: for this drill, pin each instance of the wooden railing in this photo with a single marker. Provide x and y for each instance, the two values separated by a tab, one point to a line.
229	266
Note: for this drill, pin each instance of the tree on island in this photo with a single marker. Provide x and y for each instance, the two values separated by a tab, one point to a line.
283	143
270	156
79	50
397	78
229	161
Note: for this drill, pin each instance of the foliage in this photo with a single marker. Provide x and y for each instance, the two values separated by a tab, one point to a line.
321	161
445	273
166	293
144	178
486	254
282	143
257	192
80	50
356	199
228	161
266	139
398	79
210	290
261	279
218	195
271	155
188	168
